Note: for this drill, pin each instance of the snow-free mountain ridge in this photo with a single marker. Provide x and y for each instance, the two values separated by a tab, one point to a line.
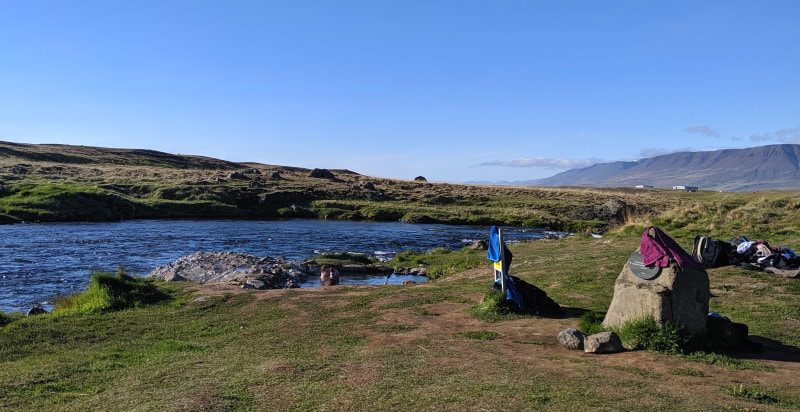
770	167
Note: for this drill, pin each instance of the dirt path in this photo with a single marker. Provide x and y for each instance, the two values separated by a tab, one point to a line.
526	341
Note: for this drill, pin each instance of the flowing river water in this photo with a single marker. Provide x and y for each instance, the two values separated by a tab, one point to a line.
43	260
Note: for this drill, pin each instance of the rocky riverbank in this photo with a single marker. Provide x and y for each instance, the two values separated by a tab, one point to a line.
253	272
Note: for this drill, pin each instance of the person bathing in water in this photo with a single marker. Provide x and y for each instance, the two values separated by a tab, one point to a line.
328	275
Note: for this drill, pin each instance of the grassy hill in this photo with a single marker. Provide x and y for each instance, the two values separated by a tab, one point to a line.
77	183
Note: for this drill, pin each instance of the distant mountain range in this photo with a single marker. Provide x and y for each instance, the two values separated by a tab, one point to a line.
770	167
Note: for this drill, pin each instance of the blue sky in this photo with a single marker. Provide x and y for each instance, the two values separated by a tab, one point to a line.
452	90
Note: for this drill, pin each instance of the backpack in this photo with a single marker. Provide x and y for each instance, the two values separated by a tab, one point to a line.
710	253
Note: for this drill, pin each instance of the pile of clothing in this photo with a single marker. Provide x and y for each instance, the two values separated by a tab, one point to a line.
758	255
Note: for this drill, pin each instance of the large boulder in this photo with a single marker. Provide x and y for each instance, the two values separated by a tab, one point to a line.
675	294
322	174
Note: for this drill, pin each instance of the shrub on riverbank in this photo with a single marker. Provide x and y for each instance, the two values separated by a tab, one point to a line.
107	292
440	262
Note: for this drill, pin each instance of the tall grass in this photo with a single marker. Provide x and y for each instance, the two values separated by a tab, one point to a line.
107	292
647	334
440	262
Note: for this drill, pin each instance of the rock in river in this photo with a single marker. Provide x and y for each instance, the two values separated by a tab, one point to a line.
241	268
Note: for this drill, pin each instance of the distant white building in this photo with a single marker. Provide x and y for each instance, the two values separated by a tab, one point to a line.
644	186
686	188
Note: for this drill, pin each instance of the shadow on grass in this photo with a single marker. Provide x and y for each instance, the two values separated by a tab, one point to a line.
571	313
772	350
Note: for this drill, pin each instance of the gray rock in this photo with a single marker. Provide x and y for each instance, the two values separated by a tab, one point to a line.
173	277
36	310
571	338
420	179
230	266
369	186
322	174
256	283
418	271
247	286
254	183
481	244
201	299
236	175
276	176
603	342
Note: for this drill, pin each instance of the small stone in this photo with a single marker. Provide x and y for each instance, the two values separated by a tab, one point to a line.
420	179
201	299
571	338
603	342
369	186
247	286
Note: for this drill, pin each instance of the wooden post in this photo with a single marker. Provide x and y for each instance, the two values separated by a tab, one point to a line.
502	261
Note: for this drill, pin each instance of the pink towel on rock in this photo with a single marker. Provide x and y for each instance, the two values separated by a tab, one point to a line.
658	249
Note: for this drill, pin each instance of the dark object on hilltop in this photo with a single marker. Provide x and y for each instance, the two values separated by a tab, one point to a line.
322	174
237	175
369	186
276	175
535	300
420	179
36	310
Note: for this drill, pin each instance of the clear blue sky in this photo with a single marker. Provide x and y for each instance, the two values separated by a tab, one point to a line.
452	90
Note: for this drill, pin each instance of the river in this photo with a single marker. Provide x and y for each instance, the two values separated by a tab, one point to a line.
42	260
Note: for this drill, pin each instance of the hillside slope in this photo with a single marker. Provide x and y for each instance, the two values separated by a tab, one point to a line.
758	168
78	183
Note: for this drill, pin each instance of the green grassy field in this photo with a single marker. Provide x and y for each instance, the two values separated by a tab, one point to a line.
431	346
396	347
